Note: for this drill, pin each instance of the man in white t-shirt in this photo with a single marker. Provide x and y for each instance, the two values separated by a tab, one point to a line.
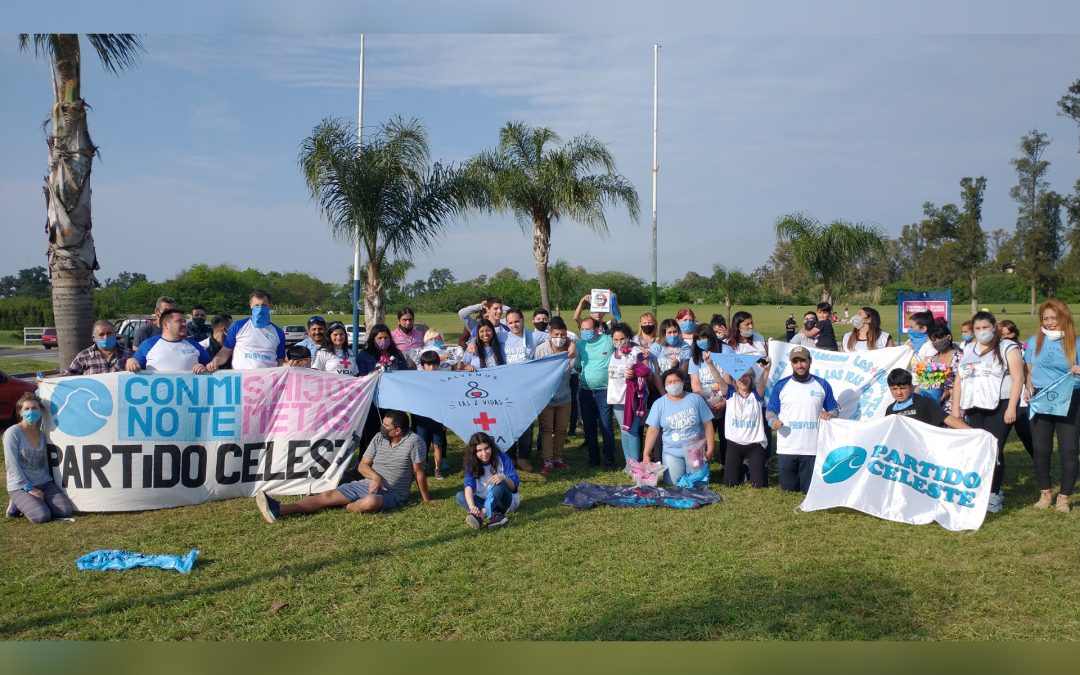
253	342
170	351
796	405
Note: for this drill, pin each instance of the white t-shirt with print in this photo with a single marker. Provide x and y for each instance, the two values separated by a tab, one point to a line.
743	420
984	381
617	367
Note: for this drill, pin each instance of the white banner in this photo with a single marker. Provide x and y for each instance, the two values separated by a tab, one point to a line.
901	469
136	441
858	379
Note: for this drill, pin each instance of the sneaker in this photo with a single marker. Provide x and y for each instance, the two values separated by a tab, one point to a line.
559	464
497	520
994	505
547	468
524	465
270	508
12	510
439	475
473	522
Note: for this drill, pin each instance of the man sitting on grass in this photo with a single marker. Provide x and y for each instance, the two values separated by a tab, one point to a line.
391	462
922	408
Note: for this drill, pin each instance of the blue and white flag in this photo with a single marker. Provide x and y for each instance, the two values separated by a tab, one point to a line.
1055	399
735	364
502	401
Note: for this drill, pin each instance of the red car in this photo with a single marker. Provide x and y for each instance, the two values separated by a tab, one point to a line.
11	388
48	338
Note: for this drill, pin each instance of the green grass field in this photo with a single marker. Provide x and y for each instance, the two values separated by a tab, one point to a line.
750	568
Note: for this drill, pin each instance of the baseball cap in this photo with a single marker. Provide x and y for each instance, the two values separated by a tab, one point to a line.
799	353
316	319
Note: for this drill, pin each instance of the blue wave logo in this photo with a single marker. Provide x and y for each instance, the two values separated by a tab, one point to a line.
80	406
843	463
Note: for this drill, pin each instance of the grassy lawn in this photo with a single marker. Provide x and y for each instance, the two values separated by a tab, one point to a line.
25	365
750	568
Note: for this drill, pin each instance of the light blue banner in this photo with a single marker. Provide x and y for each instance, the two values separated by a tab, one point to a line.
735	364
1055	399
502	401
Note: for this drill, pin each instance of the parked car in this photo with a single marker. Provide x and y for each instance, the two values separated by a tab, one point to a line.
125	330
48	338
11	388
363	333
294	333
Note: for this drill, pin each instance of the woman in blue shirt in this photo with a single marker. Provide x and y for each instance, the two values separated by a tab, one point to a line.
491	483
30	484
685	420
485	351
1051	354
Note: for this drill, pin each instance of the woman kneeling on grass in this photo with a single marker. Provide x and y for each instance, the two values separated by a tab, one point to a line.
491	483
683	419
29	478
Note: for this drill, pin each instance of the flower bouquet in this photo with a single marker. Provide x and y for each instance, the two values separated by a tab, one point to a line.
930	376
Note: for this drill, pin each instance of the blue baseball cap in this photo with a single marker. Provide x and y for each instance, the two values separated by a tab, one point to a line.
316	319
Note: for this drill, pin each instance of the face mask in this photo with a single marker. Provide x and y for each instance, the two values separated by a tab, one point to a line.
917	339
385	434
809	323
540	326
404	330
108	344
199	321
702	344
588	335
905	404
687	326
618	345
966	337
260	316
672	340
437	344
558	342
746	333
382	343
31	416
674	389
985	337
857	322
942	345
648	329
1053	334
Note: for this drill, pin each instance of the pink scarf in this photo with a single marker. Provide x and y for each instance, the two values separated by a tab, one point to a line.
637	393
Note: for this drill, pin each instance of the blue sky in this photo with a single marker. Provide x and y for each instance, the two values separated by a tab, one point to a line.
199	144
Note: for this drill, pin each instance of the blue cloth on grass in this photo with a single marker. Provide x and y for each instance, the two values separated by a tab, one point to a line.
112	559
587	495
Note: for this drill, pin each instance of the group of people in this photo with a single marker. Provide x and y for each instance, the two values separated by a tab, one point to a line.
661	382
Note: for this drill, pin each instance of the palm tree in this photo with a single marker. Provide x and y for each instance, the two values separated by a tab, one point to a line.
828	251
383	193
543	185
71	254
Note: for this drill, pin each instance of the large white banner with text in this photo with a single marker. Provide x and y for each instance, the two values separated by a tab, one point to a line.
135	441
901	469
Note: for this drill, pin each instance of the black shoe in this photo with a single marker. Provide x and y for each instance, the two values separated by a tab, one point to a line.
270	508
497	520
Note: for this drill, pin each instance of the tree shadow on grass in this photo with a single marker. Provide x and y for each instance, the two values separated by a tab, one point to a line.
533	511
829	604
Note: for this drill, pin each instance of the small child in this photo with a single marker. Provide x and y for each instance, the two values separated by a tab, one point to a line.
744	428
298	356
431	432
491	483
922	408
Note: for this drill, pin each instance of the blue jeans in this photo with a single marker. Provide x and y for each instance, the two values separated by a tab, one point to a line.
631	440
675	467
595	410
498	500
796	471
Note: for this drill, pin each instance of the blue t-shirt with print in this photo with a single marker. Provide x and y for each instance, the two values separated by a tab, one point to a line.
681	421
1049	364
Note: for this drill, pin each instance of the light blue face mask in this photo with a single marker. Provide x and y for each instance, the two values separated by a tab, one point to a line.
687	326
918	339
672	340
588	335
31	416
904	405
703	345
437	344
260	316
108	344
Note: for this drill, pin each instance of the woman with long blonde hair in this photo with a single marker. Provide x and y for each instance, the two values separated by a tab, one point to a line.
1050	354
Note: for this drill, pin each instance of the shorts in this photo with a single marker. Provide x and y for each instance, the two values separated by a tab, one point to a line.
358	489
429	431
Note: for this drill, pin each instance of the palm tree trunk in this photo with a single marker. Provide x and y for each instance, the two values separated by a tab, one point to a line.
974	290
374	303
826	292
1032	297
71	253
541	252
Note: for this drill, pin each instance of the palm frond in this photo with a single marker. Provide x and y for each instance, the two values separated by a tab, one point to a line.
117	51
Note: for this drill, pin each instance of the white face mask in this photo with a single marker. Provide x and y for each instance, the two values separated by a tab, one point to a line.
856	322
674	389
1053	334
984	337
558	341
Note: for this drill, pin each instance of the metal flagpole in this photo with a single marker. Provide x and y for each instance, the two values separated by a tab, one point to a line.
655	168
356	251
